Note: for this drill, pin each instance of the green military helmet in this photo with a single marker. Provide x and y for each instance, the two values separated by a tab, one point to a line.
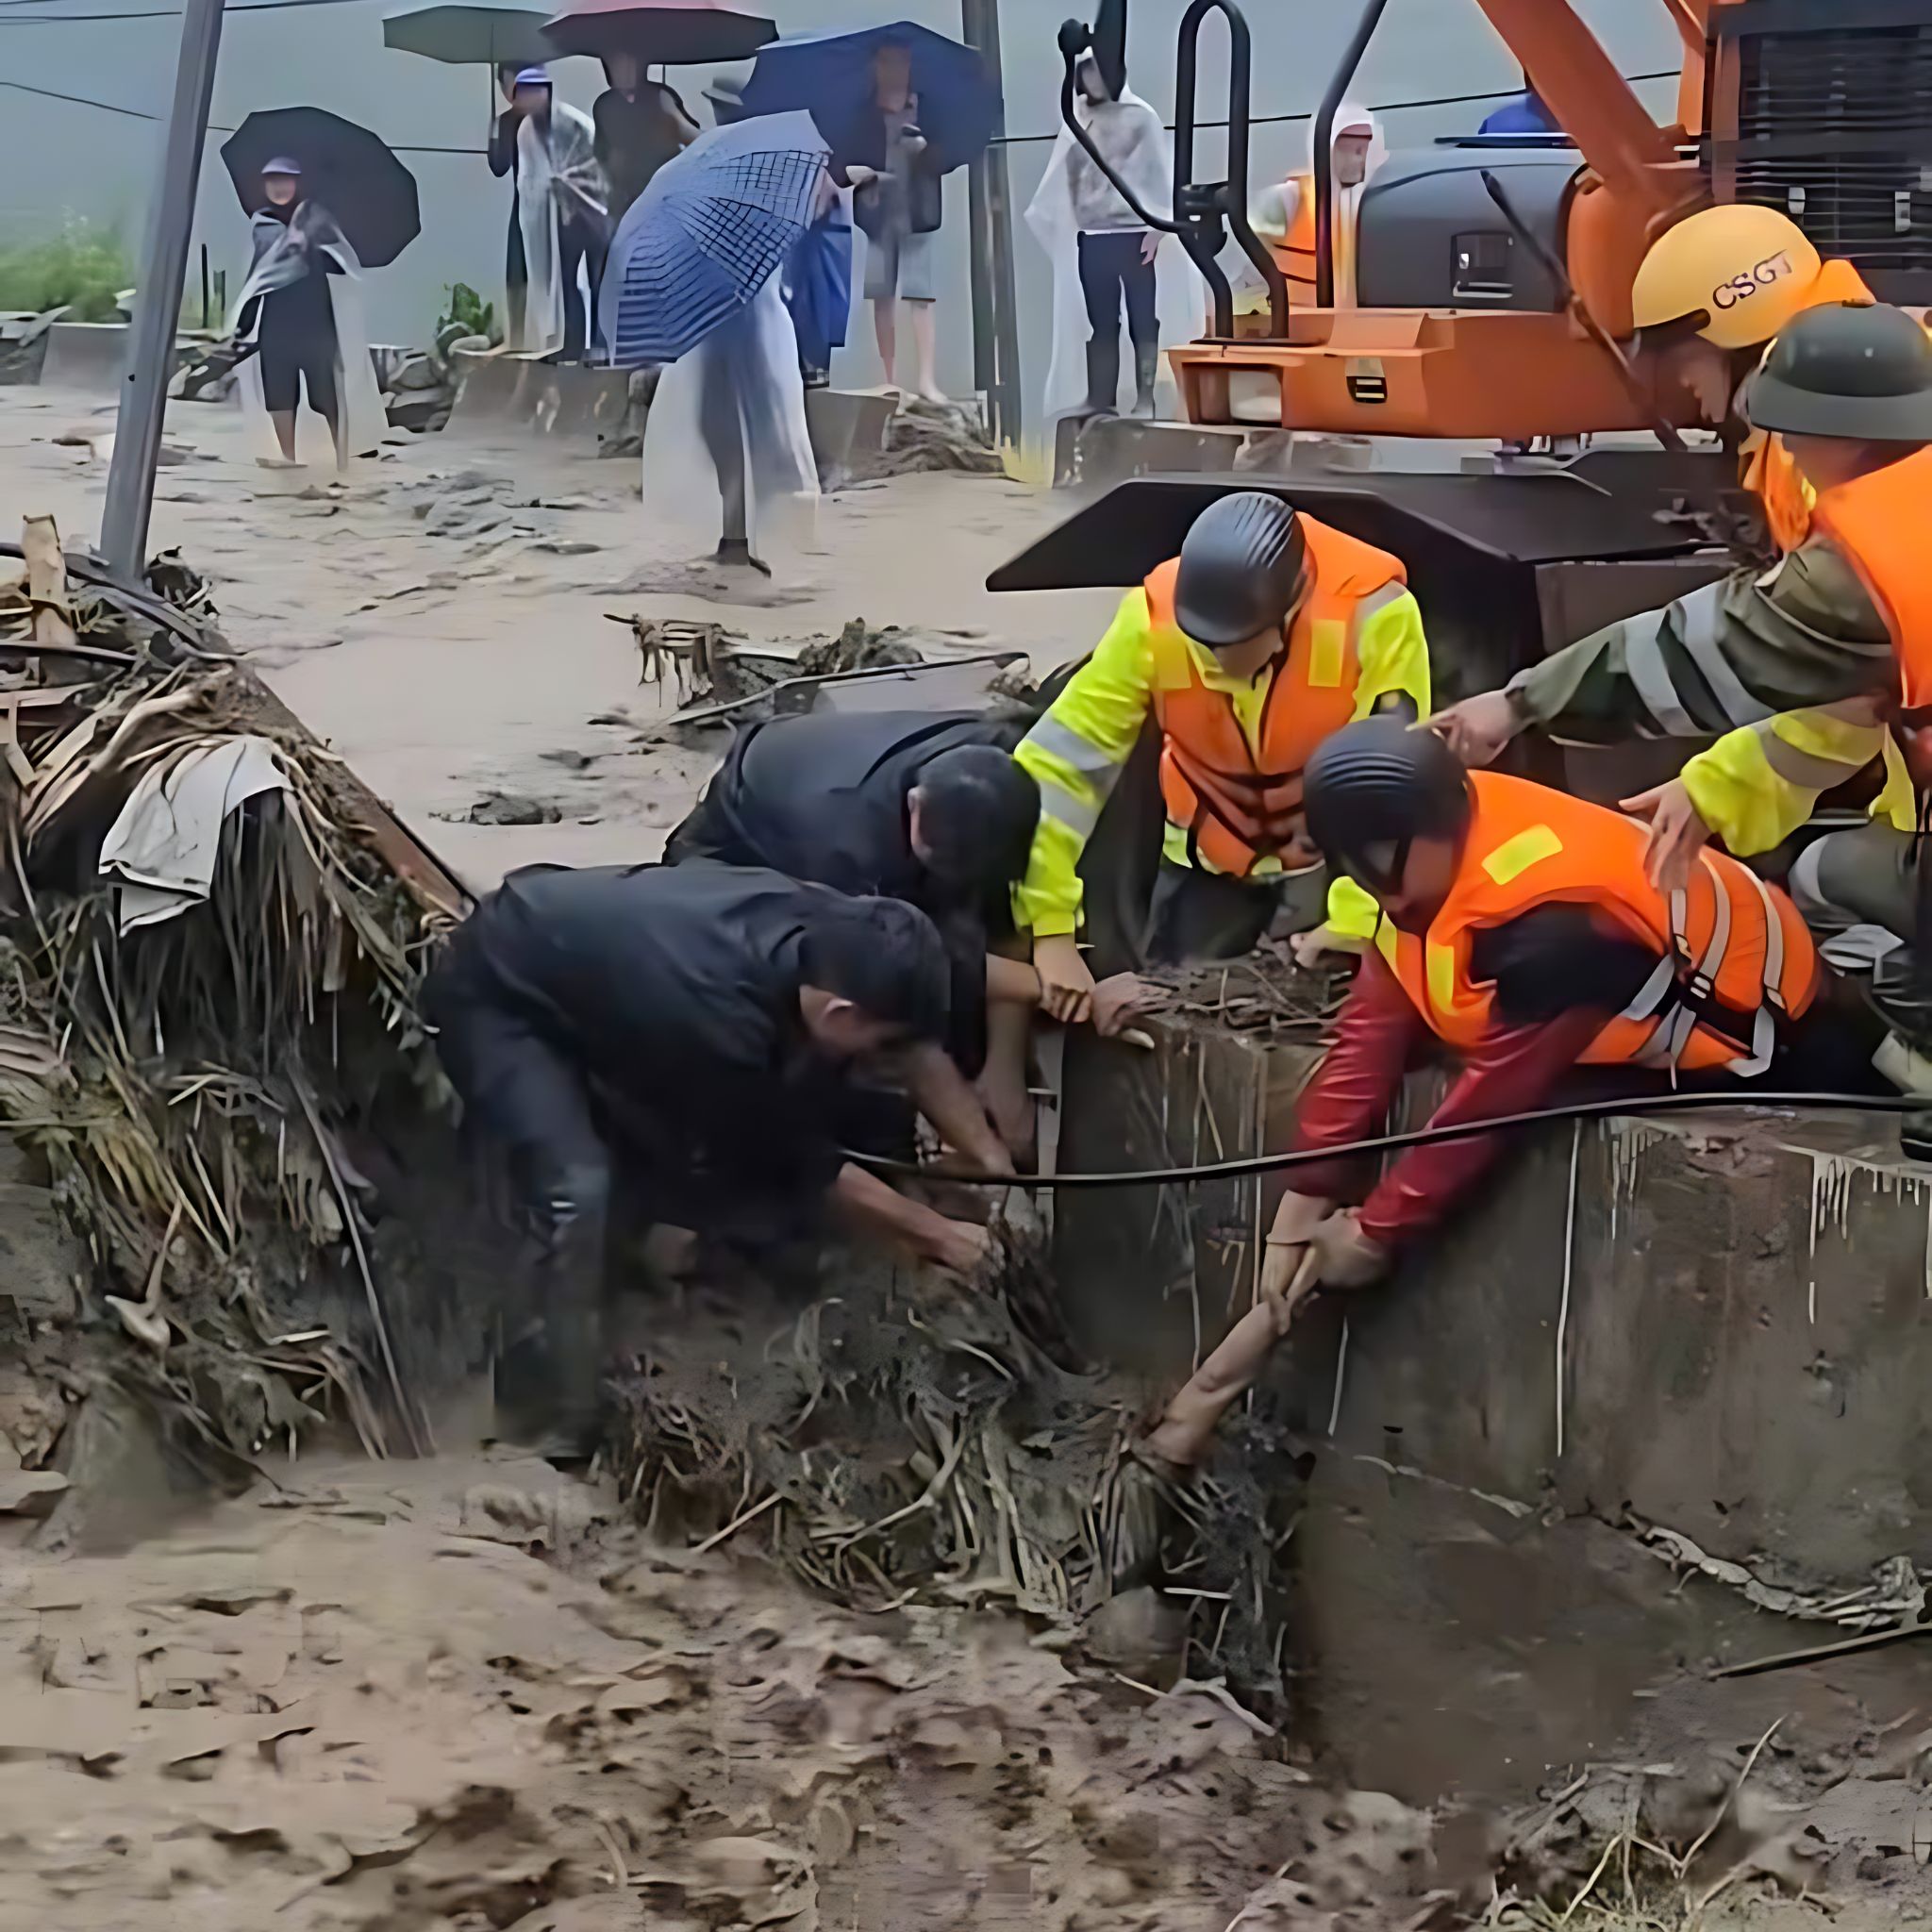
1855	370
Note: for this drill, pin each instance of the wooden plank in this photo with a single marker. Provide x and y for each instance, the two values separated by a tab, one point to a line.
46	581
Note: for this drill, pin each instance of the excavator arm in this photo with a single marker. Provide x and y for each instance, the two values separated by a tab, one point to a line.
1593	103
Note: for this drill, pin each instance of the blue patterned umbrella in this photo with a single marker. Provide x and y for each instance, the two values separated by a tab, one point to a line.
707	233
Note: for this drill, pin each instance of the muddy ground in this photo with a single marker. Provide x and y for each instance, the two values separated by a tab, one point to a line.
471	1693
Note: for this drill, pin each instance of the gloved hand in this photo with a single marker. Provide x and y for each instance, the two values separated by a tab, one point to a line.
1347	1257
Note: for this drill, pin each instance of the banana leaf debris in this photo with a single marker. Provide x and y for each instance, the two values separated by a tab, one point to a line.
206	1097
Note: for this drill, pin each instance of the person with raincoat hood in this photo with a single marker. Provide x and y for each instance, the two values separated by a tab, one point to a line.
1284	216
300	309
1104	257
563	205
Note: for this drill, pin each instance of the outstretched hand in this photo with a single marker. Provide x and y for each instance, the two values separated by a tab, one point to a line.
1678	834
1478	730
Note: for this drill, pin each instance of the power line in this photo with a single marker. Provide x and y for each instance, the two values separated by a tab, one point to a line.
1504	93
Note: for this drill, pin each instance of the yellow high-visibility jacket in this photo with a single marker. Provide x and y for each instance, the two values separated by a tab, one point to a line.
1076	751
1757	785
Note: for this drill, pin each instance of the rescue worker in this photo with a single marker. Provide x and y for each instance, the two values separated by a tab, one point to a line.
1759	784
700	1019
1713	291
1519	928
1817	632
929	806
1283	215
1267	633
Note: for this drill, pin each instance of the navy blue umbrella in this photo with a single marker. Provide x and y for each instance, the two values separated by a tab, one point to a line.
706	235
830	75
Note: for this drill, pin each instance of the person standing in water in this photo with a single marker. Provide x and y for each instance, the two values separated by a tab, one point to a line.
287	313
887	160
640	125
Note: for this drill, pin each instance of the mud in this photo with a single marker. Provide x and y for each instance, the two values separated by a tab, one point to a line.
468	1693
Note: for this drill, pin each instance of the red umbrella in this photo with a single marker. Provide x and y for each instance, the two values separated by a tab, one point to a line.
678	33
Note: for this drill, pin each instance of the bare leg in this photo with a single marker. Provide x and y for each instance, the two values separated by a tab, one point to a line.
884	323
925	344
723	428
284	420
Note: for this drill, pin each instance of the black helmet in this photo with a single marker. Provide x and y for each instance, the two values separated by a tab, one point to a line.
1856	370
1382	782
1241	568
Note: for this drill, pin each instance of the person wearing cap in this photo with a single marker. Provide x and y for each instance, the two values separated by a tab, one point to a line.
926	806
1269	631
1847	388
1712	293
1519	929
1284	215
563	206
300	309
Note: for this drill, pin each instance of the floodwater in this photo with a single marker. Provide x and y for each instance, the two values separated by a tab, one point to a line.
444	619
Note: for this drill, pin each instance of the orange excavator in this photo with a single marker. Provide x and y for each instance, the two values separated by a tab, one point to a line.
1492	304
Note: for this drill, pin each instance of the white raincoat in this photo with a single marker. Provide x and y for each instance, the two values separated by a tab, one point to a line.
280	259
1181	296
1273	211
748	369
557	178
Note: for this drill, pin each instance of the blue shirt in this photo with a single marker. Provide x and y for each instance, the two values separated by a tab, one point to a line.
1526	114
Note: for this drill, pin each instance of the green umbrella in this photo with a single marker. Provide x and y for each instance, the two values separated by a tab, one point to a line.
470	35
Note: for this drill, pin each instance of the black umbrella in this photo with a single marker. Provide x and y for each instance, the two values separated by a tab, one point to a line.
346	168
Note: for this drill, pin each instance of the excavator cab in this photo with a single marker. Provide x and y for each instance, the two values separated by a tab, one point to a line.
1492	309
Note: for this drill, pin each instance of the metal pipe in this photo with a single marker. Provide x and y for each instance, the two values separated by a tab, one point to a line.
1339	85
157	300
995	308
1240	130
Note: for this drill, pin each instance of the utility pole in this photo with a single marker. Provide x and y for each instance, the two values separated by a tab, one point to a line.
995	316
157	297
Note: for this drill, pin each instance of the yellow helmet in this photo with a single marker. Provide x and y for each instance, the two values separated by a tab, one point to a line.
1745	270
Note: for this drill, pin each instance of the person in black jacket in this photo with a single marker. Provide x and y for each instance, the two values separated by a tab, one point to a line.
640	126
928	807
702	1019
502	161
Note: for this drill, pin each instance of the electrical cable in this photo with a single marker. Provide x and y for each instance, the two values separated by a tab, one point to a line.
1251	1164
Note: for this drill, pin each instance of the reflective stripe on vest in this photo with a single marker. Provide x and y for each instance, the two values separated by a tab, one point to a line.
1878	522
1735	954
1239	801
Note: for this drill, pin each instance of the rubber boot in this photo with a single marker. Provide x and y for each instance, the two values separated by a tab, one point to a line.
1103	375
1148	373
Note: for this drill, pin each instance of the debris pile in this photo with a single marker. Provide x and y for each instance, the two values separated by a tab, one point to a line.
907	1440
211	939
932	436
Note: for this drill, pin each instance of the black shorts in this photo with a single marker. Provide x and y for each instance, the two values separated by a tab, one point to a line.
290	364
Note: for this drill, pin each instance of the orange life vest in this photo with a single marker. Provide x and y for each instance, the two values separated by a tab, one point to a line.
1767	469
1736	952
1879	522
1241	802
1296	254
